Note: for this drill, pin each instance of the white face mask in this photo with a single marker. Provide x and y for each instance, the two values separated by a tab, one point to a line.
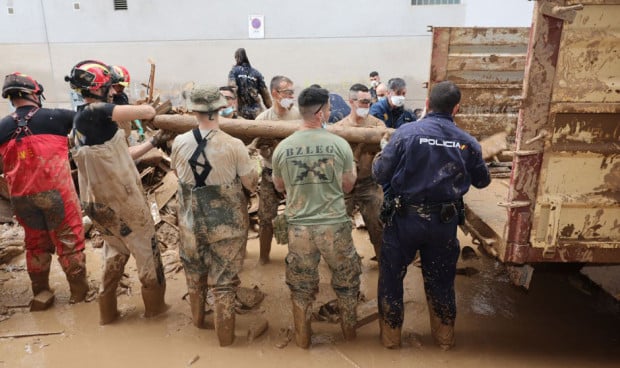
362	111
398	101
287	102
374	84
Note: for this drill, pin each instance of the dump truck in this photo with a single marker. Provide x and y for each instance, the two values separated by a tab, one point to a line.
555	88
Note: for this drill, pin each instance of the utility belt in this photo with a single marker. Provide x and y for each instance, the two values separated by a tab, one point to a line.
395	205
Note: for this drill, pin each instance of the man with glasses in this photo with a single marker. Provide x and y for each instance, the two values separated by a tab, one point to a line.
315	168
283	94
367	195
231	103
392	109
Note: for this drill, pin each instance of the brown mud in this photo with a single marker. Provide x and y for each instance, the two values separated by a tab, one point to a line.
560	322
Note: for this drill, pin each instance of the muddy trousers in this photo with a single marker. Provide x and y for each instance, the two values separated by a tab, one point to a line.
269	199
367	195
439	251
214	266
306	246
150	272
52	222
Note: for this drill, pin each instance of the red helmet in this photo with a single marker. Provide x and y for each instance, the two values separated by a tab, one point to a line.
120	75
17	83
91	75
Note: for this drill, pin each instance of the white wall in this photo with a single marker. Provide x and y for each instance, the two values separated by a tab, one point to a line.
332	43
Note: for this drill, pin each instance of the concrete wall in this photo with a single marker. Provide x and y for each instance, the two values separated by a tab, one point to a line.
333	43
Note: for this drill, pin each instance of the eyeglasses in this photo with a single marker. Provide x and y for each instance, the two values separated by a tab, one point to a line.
286	92
319	109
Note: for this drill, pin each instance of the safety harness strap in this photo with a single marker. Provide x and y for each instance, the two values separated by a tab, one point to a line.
205	167
22	124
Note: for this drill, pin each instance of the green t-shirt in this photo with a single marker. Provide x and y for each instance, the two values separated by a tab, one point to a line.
311	163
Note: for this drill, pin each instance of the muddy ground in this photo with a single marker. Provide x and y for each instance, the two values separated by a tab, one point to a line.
561	322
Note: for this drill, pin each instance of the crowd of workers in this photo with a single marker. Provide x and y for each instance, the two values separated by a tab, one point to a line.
408	190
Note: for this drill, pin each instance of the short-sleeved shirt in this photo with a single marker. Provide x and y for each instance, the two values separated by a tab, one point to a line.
270	114
44	121
364	160
93	123
227	156
311	164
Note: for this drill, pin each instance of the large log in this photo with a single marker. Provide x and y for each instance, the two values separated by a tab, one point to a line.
266	128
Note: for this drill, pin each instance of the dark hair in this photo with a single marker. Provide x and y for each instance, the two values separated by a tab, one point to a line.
314	86
396	84
275	82
373	74
241	57
227	88
310	100
444	96
358	87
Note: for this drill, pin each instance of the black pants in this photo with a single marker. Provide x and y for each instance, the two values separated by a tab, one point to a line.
409	232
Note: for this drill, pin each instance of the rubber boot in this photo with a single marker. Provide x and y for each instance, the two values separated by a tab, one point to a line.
43	296
265	237
443	334
301	319
153	298
224	318
112	273
78	285
390	336
197	307
348	318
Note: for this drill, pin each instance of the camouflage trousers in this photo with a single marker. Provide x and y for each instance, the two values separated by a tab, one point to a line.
214	226
367	195
307	243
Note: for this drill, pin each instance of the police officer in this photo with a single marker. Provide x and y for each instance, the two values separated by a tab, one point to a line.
392	108
429	166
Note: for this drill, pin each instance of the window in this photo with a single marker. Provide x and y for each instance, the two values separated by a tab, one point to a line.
435	2
120	4
76	6
11	10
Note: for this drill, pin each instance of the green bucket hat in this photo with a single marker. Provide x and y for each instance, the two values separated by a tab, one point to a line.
206	98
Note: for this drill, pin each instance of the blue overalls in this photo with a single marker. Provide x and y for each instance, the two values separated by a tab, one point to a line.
429	164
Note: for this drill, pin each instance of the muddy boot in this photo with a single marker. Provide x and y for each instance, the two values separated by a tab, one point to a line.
443	334
301	319
43	296
78	284
153	298
348	318
265	237
112	273
224	319
197	307
390	337
108	311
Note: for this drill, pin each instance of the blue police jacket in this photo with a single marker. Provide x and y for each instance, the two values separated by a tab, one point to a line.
393	118
431	161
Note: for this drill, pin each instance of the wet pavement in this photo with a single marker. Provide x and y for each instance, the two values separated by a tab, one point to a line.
562	321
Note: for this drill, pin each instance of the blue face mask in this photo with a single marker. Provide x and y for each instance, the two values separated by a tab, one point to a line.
227	111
